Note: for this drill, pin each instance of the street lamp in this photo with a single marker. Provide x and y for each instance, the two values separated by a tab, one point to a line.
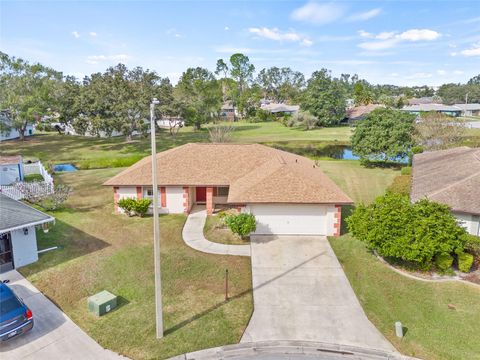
156	225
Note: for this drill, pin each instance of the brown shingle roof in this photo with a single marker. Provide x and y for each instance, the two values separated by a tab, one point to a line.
10	160
359	112
254	172
450	177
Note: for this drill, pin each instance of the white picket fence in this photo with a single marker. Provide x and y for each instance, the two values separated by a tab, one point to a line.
38	168
21	190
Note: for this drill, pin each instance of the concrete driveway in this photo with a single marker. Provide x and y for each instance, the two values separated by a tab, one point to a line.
300	292
54	335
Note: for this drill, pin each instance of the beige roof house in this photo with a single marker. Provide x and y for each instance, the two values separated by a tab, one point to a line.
284	187
451	177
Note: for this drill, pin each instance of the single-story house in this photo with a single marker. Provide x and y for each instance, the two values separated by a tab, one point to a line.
287	193
10	133
450	177
469	109
440	108
18	240
423	100
275	108
357	113
228	111
11	169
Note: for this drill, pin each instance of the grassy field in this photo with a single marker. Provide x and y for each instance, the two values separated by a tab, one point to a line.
90	152
360	183
103	251
433	331
214	232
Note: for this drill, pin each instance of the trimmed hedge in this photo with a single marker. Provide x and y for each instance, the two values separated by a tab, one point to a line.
415	233
134	206
401	185
465	262
241	224
443	261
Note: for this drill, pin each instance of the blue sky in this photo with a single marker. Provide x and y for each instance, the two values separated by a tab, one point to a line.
395	42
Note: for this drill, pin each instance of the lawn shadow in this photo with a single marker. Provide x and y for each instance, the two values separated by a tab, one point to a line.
71	242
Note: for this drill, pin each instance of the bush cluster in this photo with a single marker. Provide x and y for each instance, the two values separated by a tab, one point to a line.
134	207
401	185
241	224
417	233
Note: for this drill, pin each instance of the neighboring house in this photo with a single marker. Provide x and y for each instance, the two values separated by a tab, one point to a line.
450	177
18	240
275	108
441	108
357	113
11	169
170	122
10	133
228	111
287	193
423	100
469	109
68	129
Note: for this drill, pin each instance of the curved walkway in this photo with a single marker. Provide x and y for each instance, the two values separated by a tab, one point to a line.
193	236
290	350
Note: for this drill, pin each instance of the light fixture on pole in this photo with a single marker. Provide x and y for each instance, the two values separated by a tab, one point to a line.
156	225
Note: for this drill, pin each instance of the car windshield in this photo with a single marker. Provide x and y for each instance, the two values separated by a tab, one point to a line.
9	304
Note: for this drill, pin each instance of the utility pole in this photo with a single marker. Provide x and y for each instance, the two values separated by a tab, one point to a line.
156	225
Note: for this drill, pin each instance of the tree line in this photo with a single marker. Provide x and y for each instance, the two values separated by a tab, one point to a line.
118	98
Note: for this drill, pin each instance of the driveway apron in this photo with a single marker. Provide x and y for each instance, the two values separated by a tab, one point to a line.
301	293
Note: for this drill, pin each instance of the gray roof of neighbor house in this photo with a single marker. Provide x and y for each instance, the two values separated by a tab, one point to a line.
431	107
274	107
254	172
450	177
422	100
16	215
468	106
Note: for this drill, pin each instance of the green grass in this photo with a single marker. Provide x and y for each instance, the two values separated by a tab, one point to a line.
99	250
95	153
33	177
214	231
433	331
360	183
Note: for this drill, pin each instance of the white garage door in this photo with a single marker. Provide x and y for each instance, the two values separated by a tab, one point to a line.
290	219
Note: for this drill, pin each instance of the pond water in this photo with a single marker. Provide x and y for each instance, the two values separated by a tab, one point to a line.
339	152
64	167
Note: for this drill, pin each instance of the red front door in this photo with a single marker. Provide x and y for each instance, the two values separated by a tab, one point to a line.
201	194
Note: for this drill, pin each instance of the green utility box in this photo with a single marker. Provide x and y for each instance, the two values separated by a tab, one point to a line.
102	303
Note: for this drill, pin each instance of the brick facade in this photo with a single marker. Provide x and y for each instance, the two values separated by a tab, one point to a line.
116	197
186	199
209	202
338	220
163	197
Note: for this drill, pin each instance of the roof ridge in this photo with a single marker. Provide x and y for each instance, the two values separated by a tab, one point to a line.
455	183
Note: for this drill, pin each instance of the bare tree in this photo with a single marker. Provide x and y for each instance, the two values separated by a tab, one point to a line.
221	133
436	131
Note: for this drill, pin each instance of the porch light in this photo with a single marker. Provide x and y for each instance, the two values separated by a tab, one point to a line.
25	231
45	227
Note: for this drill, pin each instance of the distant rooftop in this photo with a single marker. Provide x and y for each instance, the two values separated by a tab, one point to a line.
431	107
468	106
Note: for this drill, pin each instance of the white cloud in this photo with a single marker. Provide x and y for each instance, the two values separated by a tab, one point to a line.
419	35
95	59
441	72
318	13
226	28
173	32
226	49
277	35
458	72
363	16
76	34
388	40
473	51
92	34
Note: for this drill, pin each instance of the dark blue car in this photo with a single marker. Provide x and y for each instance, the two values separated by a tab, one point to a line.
15	317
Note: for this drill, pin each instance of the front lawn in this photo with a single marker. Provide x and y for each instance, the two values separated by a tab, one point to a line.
214	231
103	251
433	329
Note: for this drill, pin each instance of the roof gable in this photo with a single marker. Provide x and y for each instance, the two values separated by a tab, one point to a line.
15	214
